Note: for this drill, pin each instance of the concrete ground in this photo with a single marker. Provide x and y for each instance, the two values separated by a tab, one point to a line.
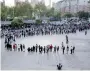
11	60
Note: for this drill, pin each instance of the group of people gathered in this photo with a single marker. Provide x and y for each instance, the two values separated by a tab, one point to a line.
41	49
44	29
38	48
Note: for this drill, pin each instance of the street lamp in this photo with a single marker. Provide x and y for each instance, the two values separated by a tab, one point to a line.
89	6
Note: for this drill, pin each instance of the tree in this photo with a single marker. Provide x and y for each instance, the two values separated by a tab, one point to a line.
50	12
68	15
58	16
4	10
40	9
23	9
17	22
38	21
83	15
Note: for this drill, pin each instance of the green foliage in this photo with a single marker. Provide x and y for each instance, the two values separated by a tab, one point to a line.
4	10
68	15
40	9
83	15
17	22
50	12
38	21
57	15
25	9
33	18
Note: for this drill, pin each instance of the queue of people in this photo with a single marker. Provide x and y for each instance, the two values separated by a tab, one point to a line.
37	48
40	49
44	29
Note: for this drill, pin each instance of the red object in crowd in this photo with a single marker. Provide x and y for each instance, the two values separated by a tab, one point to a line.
51	46
14	46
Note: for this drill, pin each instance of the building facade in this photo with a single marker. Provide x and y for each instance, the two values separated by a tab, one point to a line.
71	6
89	6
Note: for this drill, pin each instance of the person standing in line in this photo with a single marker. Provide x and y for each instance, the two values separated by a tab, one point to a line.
57	48
67	49
51	48
18	47
63	48
14	46
21	47
47	50
28	49
36	47
44	49
73	49
62	44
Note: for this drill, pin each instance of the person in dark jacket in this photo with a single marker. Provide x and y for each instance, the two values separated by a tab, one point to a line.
63	48
36	48
57	48
44	49
73	49
28	49
33	48
67	49
21	47
59	67
9	47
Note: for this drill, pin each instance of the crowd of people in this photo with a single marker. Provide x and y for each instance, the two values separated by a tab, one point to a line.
40	49
44	29
10	36
37	48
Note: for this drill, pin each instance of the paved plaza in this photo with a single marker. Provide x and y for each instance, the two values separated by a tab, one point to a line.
11	60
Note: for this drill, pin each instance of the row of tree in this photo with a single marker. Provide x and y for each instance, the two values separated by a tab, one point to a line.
26	11
80	14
